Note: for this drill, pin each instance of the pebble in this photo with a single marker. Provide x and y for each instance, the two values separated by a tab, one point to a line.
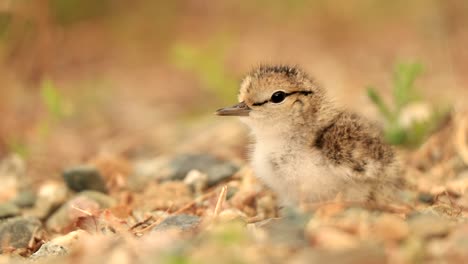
9	209
12	176
182	222
197	181
390	228
59	246
25	198
215	169
84	177
18	231
426	198
88	201
104	201
288	229
147	170
333	239
429	225
50	196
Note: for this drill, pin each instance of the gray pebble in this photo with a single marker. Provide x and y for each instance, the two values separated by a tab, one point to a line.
428	225
25	198
49	250
81	178
18	231
217	170
61	218
182	222
9	209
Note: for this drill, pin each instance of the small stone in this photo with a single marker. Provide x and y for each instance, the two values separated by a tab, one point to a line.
429	225
197	181
50	196
17	232
182	222
333	239
88	201
81	178
48	250
147	170
104	201
288	229
25	198
12	176
426	198
219	172
390	227
215	169
9	209
59	246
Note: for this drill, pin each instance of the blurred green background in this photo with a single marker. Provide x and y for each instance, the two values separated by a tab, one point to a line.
79	77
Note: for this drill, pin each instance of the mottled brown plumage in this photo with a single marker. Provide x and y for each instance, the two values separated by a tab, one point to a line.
307	149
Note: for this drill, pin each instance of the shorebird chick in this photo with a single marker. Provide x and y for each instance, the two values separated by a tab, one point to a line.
308	150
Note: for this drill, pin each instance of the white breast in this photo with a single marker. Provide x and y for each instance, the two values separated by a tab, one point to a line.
297	173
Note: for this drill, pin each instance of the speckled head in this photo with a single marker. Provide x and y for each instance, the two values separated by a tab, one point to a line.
272	94
259	85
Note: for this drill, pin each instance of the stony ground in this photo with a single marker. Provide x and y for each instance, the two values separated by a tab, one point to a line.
121	161
199	208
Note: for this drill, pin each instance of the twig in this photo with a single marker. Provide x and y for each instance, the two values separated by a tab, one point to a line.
220	202
82	211
145	221
88	214
198	199
155	223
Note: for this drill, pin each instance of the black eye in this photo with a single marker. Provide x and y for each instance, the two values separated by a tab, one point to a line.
278	97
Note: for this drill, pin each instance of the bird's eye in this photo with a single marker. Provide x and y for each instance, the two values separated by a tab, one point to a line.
278	97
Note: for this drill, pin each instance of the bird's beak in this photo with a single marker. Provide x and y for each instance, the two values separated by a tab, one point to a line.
240	109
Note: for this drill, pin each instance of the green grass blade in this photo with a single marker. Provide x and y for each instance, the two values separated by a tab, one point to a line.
377	100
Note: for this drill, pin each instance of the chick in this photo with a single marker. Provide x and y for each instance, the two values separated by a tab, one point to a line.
307	149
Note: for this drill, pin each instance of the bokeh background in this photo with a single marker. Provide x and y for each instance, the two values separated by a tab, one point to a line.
83	77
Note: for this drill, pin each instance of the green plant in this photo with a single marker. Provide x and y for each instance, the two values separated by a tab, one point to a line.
52	99
404	94
56	105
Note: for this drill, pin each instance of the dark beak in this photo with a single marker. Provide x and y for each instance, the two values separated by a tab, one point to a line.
240	109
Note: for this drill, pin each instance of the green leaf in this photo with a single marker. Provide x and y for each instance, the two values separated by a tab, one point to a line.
395	135
404	77
404	93
377	100
52	99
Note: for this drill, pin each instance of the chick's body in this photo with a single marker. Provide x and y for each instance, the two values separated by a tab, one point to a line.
306	149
